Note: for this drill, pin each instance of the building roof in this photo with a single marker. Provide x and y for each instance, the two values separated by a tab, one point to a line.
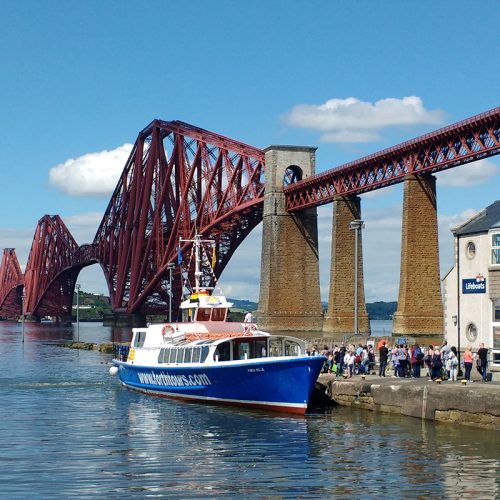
482	222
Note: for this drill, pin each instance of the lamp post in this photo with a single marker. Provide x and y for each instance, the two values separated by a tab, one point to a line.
23	298
171	267
356	226
456	319
455	323
77	312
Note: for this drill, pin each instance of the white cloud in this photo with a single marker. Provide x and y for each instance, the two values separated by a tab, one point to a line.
382	252
352	120
83	226
346	136
20	240
241	277
446	240
93	174
470	174
379	193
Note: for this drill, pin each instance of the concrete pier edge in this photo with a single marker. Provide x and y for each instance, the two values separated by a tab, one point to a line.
476	405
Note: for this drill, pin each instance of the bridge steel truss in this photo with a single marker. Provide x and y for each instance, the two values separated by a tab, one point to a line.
463	142
54	263
11	284
178	180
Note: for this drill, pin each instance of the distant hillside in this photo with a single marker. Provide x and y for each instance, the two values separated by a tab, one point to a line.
93	307
381	310
376	310
247	305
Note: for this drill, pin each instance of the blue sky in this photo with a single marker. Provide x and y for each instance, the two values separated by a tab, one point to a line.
80	79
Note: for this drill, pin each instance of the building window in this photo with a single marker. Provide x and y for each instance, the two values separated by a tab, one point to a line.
470	250
495	248
496	357
496	311
471	332
496	337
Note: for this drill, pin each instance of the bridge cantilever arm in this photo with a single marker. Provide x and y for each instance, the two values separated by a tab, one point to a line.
465	141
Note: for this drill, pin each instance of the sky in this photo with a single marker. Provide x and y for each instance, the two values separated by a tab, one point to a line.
80	79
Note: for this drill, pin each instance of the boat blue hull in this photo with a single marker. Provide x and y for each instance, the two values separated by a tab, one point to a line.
283	385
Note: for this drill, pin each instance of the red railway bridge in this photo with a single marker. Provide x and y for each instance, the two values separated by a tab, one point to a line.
180	179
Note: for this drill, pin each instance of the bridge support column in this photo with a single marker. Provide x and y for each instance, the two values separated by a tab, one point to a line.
339	319
420	308
64	320
124	319
30	318
289	281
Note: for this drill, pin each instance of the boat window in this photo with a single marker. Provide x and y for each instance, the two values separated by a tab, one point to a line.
219	314
161	356
187	315
242	350
260	349
139	339
203	314
204	353
223	352
188	357
196	355
275	347
292	348
168	353
180	355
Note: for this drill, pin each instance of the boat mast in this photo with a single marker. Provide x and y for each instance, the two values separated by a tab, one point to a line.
198	273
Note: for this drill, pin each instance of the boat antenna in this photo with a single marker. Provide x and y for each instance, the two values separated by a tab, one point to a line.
197	241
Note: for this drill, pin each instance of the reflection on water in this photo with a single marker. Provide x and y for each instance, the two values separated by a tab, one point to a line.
68	430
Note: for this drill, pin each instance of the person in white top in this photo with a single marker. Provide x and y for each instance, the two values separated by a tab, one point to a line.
248	317
452	365
349	362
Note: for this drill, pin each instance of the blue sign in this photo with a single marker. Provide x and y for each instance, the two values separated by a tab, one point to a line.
474	285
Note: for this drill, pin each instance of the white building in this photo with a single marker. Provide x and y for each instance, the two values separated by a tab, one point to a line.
472	287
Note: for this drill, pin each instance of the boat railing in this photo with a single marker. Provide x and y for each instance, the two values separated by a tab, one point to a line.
120	351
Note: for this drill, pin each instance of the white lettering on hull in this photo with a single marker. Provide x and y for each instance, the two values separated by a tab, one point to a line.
166	380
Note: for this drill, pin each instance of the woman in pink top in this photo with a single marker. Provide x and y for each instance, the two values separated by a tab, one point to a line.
468	358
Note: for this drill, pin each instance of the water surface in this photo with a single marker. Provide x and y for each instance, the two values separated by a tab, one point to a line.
68	430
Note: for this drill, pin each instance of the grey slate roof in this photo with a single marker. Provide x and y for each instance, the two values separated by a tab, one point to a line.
482	222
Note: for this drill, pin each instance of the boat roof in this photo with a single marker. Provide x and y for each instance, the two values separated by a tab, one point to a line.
204	299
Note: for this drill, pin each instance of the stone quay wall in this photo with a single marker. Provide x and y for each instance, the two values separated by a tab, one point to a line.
476	405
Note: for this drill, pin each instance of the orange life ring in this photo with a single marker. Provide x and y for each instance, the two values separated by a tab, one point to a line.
167	330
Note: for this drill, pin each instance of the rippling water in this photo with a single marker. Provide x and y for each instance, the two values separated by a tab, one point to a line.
68	430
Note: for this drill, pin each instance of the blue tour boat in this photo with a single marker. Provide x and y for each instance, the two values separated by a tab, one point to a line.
205	358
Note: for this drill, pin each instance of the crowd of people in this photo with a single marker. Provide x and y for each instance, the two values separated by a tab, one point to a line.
441	362
349	360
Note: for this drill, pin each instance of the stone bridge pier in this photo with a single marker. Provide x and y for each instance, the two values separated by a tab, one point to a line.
420	307
289	283
339	319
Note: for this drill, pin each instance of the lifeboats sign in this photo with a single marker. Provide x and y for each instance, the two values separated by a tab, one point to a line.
474	285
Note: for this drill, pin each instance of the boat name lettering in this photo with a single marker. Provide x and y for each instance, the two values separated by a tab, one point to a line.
251	370
173	380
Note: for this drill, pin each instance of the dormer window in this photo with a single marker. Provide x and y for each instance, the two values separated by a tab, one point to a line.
495	248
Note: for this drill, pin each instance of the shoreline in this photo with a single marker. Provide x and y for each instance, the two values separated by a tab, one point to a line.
475	405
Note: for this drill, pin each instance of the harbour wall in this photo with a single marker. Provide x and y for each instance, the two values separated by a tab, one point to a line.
476	405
